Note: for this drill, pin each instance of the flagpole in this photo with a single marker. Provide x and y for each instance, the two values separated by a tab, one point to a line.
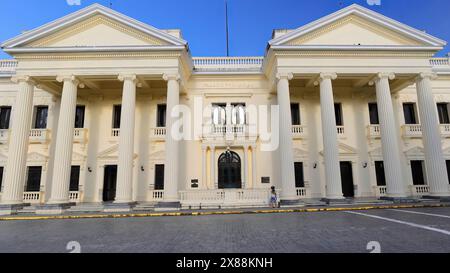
227	31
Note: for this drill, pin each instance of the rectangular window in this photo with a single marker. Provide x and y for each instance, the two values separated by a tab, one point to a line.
373	113
418	172
161	116
79	116
116	116
299	175
379	171
338	112
33	179
410	113
1	178
159	177
75	178
5	116
295	112
443	113
41	117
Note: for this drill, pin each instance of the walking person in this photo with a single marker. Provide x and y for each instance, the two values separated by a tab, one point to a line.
273	198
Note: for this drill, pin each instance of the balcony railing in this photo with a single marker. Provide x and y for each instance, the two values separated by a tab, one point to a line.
115	132
380	191
445	130
237	197
4	136
298	131
374	131
80	136
39	136
420	190
32	197
157	195
412	131
234	130
74	196
301	192
224	64
8	67
158	133
341	131
440	62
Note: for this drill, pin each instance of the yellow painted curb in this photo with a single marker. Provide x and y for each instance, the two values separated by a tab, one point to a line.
210	213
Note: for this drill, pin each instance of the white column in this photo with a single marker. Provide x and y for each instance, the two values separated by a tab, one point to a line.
172	143
204	170
254	166
213	167
245	180
389	137
124	193
18	147
329	132
434	158
286	150
64	142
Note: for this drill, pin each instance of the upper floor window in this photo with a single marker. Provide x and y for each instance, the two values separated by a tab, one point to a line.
79	116
219	114
40	120
443	113
409	110
161	116
338	112
238	115
5	116
295	113
373	113
116	116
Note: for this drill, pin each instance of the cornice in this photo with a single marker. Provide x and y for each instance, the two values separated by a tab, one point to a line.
85	56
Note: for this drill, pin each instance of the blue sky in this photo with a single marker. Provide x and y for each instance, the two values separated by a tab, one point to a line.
203	21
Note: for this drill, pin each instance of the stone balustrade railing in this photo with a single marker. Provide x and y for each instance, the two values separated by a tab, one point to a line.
39	136
32	197
74	196
301	192
225	197
419	190
298	131
157	195
374	131
227	63
8	67
440	62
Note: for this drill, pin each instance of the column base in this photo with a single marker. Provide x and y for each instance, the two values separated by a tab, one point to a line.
53	209
400	200
12	209
440	198
119	207
338	201
168	206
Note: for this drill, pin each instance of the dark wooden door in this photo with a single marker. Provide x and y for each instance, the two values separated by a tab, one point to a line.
230	171
110	183
348	188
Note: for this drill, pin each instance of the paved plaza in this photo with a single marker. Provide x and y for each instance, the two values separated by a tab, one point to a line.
405	230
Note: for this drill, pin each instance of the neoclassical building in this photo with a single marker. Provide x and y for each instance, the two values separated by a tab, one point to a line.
357	106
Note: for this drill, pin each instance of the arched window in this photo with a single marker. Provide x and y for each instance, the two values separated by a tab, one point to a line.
219	114
238	115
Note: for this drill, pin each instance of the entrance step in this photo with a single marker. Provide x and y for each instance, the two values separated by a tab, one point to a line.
145	207
87	207
27	210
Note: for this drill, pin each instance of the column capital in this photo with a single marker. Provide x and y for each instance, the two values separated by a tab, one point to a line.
72	78
128	77
27	79
284	76
385	75
171	77
426	75
328	76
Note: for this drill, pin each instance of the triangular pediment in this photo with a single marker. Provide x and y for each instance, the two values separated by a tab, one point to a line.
3	157
94	26
300	153
36	157
414	151
111	153
158	155
344	150
356	26
77	157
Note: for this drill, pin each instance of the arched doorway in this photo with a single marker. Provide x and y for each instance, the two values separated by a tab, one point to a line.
230	171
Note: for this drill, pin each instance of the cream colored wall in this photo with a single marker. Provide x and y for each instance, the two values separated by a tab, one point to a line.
249	89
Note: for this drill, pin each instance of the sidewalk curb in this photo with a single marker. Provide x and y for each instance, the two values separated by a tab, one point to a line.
230	212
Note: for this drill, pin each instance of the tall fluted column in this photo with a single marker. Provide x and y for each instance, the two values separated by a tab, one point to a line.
286	144
213	167
64	142
172	143
253	165
124	192
389	137
330	142
18	147
204	171
245	180
434	158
